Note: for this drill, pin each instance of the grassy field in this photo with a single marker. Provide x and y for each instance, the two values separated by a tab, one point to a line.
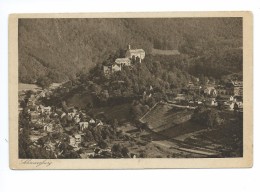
165	52
24	87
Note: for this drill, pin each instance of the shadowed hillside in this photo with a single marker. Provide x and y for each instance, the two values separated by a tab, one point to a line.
59	48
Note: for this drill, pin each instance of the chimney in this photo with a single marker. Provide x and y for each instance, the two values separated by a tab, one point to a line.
129	47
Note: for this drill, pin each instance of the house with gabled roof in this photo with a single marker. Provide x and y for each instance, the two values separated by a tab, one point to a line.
108	69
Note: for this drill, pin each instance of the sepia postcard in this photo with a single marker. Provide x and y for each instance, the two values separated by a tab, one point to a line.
131	90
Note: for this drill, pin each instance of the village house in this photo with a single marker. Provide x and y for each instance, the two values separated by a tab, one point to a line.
87	153
180	97
147	95
77	138
239	104
111	68
238	91
233	105
34	116
191	86
234	88
73	142
230	105
210	91
31	100
237	83
42	109
49	146
116	67
238	88
63	115
83	126
47	109
92	121
34	138
48	127
76	119
225	91
211	102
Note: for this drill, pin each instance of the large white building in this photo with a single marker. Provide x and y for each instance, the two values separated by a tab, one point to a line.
131	54
135	53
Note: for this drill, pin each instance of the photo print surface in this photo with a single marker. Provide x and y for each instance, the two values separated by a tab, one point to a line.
130	88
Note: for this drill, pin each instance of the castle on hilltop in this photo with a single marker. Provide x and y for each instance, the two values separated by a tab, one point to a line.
132	56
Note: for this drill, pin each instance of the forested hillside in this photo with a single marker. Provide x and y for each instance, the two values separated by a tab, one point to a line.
59	48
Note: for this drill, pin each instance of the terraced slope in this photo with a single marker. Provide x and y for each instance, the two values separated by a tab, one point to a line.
164	116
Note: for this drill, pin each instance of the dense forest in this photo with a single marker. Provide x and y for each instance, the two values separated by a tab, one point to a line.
60	48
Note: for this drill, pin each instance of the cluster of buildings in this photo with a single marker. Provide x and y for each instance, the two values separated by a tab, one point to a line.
229	95
233	88
132	56
46	121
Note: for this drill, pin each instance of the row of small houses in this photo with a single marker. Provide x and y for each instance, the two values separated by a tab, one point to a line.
233	88
49	120
231	94
223	91
77	128
46	115
44	120
230	103
75	132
